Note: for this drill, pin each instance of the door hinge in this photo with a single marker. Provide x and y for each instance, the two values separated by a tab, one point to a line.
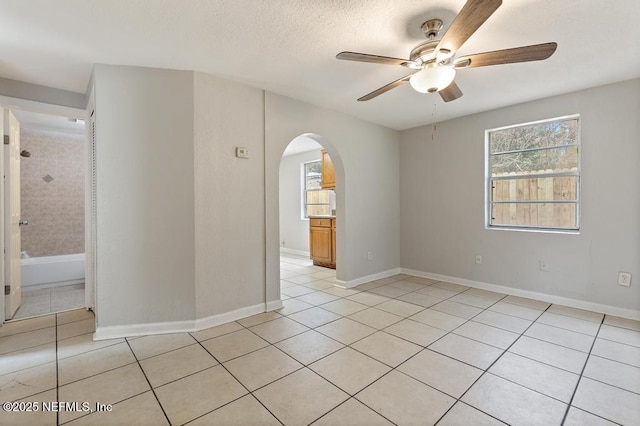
7	290
6	139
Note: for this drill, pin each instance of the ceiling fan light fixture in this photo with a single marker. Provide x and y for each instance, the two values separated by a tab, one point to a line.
432	78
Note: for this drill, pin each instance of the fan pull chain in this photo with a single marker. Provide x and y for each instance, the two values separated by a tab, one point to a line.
435	119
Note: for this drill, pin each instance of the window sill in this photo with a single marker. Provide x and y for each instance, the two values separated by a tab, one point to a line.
534	230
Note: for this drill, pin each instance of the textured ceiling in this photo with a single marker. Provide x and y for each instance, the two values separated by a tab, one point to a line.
289	47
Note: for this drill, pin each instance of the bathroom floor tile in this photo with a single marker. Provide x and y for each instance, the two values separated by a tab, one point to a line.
578	417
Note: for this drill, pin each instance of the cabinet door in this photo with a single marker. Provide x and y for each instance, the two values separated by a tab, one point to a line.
320	244
328	173
333	241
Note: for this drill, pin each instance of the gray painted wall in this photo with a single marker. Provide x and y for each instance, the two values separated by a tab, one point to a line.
145	195
366	160
229	196
182	223
294	230
442	202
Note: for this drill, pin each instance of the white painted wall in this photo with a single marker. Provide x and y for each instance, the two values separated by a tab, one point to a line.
229	196
366	159
442	202
145	195
294	230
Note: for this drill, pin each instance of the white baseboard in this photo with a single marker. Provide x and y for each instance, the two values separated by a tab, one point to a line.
132	330
212	321
294	251
544	297
368	278
273	305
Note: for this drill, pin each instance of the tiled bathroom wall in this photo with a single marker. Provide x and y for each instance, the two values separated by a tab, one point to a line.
52	192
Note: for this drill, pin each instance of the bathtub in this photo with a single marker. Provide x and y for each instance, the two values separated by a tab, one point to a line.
52	271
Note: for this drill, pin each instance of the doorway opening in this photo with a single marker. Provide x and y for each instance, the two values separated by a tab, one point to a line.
52	176
307	214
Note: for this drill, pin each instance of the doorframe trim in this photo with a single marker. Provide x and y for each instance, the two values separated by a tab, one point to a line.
11	103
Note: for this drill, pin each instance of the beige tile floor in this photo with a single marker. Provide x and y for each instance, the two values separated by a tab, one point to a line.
50	300
402	350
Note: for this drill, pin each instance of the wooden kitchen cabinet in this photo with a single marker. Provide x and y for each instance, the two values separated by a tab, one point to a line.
328	173
322	241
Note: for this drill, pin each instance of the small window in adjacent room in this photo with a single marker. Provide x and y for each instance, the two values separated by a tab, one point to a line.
533	175
315	201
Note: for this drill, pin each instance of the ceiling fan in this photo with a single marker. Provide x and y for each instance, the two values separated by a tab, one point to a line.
435	59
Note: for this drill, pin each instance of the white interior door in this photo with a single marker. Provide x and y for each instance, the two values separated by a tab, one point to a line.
13	276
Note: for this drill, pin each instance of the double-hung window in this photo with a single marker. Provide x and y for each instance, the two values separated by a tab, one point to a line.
315	200
533	175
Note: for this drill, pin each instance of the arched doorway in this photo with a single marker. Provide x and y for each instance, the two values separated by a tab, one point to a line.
292	238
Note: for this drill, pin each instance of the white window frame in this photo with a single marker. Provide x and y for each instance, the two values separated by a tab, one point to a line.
303	207
488	188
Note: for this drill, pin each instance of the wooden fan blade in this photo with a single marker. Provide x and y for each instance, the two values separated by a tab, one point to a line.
385	88
536	52
451	92
375	59
473	14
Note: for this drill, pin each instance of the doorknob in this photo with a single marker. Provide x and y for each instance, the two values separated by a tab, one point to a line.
23	222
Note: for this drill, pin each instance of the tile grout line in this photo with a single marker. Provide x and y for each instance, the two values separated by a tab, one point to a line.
486	371
147	379
242	384
584	367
